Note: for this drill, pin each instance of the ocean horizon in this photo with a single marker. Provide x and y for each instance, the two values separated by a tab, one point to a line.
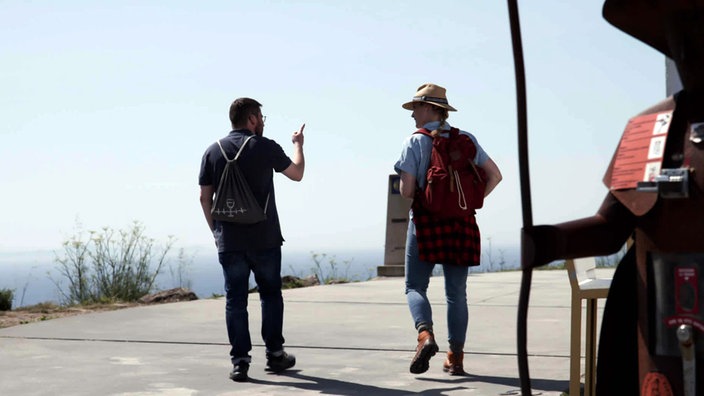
33	275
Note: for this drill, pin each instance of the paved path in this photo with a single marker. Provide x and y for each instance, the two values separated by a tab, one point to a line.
349	339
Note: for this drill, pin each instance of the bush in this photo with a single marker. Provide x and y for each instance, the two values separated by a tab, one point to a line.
179	274
6	296
332	275
110	265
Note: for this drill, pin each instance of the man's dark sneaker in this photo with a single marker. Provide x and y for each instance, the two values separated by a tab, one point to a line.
239	372
279	363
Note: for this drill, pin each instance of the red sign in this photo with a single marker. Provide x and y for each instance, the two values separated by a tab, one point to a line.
640	152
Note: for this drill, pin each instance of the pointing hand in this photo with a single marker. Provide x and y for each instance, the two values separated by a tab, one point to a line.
298	135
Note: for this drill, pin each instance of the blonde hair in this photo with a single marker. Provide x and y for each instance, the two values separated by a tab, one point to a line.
443	114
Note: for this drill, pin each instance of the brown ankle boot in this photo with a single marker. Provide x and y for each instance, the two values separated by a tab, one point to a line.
453	363
424	351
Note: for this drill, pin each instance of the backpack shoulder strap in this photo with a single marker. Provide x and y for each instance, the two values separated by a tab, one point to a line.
423	131
452	131
222	150
242	147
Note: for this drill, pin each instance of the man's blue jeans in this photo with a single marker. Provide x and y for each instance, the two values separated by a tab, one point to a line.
266	266
417	279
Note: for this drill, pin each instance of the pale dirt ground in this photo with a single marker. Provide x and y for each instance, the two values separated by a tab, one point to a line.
47	311
43	312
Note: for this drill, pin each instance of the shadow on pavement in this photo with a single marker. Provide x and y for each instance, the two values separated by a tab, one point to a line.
327	386
541	384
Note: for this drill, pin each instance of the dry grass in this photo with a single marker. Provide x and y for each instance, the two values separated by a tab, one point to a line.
47	310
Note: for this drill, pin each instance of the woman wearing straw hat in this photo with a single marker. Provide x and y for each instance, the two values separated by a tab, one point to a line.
430	109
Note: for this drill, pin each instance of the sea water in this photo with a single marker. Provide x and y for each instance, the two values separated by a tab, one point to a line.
35	276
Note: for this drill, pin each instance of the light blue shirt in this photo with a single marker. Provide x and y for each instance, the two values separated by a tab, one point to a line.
415	152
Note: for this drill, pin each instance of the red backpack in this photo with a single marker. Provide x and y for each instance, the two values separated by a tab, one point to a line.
454	184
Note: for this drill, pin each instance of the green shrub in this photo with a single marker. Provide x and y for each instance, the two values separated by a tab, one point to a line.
6	296
332	275
110	265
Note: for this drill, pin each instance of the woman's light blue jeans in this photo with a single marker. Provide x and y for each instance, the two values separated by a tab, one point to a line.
418	275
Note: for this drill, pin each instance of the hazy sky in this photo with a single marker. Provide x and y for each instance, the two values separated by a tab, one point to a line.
107	108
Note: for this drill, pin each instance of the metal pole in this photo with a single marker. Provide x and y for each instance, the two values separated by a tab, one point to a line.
524	295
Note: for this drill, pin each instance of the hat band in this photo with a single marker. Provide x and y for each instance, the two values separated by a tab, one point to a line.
429	99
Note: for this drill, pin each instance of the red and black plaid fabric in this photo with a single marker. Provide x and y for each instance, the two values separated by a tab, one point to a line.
447	241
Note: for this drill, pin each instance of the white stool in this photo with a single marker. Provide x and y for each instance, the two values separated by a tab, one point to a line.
585	286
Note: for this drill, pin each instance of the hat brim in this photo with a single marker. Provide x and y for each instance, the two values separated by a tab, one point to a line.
409	105
641	20
644	20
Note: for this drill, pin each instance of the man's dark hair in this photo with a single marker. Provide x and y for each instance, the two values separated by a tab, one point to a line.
241	109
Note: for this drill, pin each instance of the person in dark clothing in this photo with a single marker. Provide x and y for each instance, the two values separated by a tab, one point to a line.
652	315
251	248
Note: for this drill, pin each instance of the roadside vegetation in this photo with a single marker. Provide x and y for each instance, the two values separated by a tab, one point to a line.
335	272
6	296
106	269
495	261
326	270
102	270
108	265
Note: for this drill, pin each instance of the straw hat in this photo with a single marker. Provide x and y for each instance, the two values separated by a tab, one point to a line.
432	94
644	19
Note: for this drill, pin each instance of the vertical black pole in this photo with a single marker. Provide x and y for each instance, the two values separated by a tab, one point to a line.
521	110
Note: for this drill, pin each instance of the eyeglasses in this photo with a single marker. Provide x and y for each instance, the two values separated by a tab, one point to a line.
263	118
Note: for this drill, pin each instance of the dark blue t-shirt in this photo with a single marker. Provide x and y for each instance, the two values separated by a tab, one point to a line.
258	161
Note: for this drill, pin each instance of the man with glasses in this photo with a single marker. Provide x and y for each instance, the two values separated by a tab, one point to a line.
247	248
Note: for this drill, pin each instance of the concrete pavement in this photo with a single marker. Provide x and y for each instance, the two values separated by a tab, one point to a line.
349	339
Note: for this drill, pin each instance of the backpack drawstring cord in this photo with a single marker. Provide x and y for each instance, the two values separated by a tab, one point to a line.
461	201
